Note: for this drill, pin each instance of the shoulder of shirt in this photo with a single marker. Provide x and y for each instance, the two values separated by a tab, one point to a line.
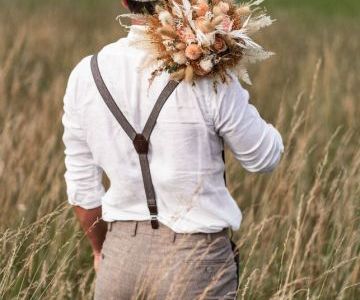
226	94
82	70
218	89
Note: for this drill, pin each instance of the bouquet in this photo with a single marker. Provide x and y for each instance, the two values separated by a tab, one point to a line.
197	38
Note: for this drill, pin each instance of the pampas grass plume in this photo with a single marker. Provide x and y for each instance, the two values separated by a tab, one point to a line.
243	11
189	73
178	75
217	20
168	31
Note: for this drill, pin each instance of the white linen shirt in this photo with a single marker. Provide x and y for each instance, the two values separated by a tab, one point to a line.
185	151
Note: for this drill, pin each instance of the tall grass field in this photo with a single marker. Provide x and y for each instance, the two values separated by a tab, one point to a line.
300	236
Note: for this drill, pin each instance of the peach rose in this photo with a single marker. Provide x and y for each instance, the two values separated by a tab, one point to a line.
193	51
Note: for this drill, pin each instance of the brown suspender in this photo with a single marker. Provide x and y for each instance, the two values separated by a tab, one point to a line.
140	140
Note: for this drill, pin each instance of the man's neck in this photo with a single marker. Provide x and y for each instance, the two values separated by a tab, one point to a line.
137	22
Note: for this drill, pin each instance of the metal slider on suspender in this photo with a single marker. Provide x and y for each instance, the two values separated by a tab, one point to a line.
154	221
153	216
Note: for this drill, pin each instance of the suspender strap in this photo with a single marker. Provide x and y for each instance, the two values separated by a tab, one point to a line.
105	94
140	140
164	95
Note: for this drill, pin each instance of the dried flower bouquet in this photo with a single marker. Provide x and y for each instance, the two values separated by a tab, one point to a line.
197	38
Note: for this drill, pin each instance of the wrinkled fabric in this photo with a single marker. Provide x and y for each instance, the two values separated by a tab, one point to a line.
138	262
185	154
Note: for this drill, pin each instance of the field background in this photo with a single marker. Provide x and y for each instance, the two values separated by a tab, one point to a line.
300	237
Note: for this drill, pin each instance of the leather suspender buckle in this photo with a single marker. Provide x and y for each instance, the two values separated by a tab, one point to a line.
153	215
154	222
141	144
153	209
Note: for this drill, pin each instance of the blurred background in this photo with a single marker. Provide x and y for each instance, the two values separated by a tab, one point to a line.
300	235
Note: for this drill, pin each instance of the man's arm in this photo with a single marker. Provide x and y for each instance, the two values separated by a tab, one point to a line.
94	227
83	175
254	142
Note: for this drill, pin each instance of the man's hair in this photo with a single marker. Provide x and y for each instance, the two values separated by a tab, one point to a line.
140	7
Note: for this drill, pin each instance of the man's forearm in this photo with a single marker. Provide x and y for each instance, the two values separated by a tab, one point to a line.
92	224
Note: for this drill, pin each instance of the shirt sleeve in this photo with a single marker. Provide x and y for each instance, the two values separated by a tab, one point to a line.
82	176
254	142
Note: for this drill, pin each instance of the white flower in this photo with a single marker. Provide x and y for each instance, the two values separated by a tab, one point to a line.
206	64
165	18
179	57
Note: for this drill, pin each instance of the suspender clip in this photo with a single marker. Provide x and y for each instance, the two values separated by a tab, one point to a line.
153	208
154	222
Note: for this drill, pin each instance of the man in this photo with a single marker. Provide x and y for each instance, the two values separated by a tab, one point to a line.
188	254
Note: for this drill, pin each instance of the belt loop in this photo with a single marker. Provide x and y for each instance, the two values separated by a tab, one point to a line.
109	225
208	238
173	237
135	229
229	229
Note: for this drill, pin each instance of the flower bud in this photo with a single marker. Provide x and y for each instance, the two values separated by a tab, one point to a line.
180	46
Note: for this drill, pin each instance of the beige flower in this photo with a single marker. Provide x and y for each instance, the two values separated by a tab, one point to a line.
224	6
179	57
206	64
221	8
193	51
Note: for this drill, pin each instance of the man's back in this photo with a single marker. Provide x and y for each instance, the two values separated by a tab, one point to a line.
185	145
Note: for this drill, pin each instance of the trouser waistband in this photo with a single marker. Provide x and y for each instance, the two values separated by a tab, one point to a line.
134	228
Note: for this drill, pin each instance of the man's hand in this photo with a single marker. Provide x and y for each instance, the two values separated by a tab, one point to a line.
95	229
97	256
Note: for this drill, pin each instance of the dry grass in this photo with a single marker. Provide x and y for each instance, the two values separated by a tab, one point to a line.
300	235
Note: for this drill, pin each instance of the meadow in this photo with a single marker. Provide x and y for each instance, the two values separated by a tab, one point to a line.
300	234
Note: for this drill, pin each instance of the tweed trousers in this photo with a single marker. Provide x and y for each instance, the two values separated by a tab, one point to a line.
138	262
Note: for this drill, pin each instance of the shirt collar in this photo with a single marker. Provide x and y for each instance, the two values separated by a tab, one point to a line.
134	31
